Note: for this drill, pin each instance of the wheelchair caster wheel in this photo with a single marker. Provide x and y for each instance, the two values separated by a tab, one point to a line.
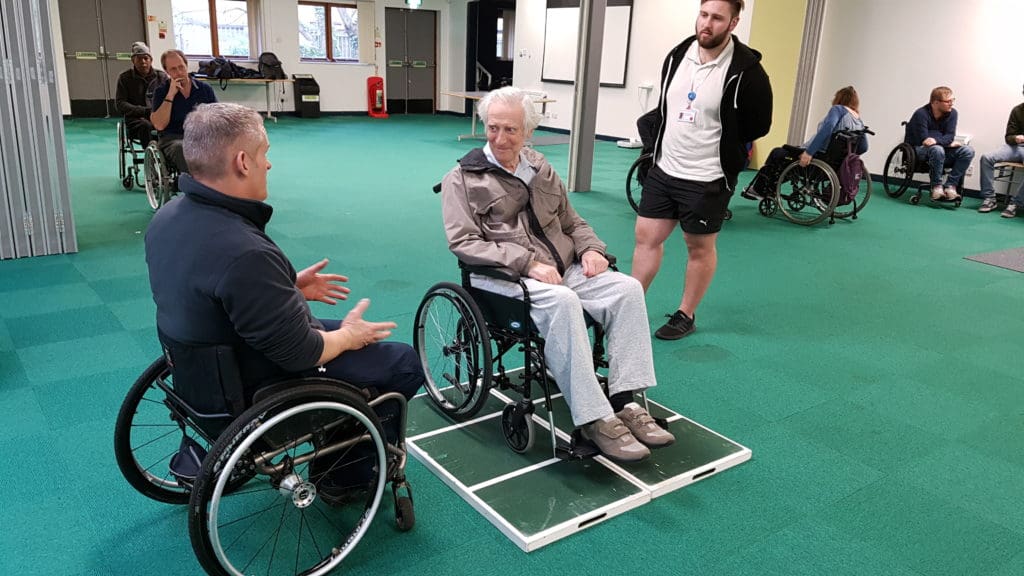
767	207
128	182
517	426
405	516
728	214
915	199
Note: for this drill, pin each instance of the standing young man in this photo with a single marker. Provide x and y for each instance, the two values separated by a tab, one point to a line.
715	98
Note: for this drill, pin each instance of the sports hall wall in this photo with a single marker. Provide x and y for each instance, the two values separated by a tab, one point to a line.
895	52
658	25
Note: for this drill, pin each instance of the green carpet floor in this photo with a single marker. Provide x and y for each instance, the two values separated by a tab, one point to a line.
871	369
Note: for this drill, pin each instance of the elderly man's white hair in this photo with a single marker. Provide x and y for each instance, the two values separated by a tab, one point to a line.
511	96
214	132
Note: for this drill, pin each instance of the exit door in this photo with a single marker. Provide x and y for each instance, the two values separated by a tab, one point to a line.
98	36
412	60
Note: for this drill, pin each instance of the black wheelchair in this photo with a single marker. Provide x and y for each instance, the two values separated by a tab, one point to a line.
288	480
161	176
461	331
900	166
635	181
809	195
130	156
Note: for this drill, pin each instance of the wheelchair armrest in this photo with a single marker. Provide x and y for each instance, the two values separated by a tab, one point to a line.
502	274
489	271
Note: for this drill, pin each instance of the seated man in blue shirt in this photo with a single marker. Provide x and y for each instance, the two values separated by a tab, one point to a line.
172	101
932	132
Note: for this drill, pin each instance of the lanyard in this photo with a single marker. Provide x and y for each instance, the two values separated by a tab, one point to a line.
694	86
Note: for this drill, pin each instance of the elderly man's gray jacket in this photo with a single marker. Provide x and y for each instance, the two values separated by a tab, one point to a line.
492	218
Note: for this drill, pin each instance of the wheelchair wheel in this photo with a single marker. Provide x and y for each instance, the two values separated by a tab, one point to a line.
860	201
807	195
287	520
517	426
147	434
635	179
899	170
454	346
127	180
156	177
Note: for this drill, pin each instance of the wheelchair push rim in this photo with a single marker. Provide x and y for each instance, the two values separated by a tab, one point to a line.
155	177
147	435
635	180
228	533
454	346
807	195
899	170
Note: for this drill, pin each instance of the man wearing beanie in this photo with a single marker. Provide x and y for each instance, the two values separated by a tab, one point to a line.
134	90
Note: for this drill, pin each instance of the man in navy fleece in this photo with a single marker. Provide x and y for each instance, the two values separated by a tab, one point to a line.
218	279
932	133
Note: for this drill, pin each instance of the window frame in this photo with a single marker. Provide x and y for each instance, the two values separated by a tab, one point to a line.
251	7
329	31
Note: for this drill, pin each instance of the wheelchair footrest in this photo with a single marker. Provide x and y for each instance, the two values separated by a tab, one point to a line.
185	465
579	448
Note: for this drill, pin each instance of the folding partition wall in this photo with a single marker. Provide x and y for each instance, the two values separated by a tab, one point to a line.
35	205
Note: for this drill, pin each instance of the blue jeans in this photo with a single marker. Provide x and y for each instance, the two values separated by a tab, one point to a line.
959	159
1006	153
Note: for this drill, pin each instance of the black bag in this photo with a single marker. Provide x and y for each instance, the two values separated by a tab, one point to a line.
270	66
219	68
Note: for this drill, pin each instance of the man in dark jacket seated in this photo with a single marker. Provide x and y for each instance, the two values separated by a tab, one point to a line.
218	279
135	92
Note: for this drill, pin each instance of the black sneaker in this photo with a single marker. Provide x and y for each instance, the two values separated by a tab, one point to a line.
678	325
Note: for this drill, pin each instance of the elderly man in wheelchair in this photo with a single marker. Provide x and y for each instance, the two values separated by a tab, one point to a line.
506	210
272	424
172	102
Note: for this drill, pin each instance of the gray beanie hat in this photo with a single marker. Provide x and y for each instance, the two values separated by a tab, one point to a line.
140	49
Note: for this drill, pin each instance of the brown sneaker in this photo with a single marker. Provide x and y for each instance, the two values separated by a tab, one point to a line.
643	427
615	441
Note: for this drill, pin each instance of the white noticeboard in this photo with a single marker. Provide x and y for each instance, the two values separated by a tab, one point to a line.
561	42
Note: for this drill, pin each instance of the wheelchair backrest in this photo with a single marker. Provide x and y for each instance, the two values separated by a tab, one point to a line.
206	378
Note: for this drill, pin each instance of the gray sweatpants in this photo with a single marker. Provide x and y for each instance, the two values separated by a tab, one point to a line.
614	300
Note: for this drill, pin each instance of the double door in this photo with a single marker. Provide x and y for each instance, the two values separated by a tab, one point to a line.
98	35
411	55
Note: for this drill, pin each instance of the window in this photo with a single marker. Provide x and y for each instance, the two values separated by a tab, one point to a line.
212	27
506	26
328	32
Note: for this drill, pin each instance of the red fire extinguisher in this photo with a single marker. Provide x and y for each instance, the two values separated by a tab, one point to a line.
375	97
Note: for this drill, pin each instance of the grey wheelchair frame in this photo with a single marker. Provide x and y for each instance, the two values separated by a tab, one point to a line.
252	470
130	156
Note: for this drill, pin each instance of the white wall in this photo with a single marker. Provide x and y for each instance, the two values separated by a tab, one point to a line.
658	25
901	50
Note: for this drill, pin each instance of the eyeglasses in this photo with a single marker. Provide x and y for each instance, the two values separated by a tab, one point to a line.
950	101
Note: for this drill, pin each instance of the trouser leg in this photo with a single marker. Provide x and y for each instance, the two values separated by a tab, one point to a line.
558	314
616	301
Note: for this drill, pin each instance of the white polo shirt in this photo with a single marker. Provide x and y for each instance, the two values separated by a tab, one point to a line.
691	146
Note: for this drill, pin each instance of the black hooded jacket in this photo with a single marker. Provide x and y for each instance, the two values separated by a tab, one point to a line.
746	106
